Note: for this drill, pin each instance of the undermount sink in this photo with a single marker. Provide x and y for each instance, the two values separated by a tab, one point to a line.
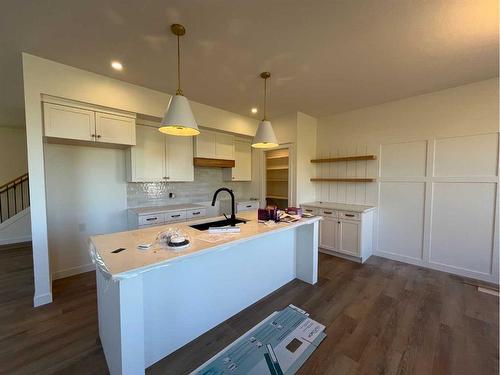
217	223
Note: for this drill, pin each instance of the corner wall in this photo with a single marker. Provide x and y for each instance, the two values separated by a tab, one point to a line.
437	176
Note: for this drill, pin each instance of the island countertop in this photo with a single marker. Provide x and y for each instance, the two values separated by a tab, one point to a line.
132	261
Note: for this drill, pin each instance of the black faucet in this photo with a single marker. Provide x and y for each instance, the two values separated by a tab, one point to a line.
232	221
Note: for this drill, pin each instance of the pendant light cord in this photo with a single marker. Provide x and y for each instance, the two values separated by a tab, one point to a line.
265	98
179	91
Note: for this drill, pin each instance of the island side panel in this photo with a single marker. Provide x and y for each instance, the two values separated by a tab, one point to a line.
307	252
121	323
187	298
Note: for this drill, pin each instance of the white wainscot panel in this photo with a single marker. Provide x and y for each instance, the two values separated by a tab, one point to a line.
407	159
474	155
462	225
401	218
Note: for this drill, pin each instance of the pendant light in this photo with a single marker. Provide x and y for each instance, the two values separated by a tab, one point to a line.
264	137
179	119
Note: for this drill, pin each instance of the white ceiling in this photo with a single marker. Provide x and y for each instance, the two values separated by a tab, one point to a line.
325	56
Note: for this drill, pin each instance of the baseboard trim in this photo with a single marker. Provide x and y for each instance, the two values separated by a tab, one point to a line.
42	299
438	267
61	274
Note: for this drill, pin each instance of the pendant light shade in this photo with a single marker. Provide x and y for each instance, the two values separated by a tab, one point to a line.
178	118
265	137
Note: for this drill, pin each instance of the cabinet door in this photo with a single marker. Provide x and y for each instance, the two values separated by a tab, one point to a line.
146	161
349	237
67	122
179	158
328	234
115	129
224	146
242	170
205	145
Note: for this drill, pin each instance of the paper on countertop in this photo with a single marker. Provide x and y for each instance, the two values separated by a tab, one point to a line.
216	237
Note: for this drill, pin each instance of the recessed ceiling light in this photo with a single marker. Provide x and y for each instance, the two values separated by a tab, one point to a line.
254	110
116	65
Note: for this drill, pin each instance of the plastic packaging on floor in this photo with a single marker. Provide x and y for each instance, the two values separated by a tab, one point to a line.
279	345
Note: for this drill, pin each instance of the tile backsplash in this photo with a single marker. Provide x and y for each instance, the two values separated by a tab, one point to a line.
206	181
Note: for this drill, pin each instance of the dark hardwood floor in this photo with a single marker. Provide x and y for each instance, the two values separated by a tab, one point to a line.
383	317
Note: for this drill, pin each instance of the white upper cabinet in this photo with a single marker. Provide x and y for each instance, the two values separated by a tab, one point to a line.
205	145
242	170
159	157
224	146
179	158
146	160
64	119
213	145
68	122
115	129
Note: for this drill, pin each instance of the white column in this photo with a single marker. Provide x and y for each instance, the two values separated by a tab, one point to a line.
306	252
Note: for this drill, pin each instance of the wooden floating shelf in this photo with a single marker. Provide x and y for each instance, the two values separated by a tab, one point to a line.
277	157
344	179
345	158
277	197
276	168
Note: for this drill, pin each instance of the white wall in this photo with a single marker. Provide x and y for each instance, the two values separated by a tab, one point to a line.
437	176
13	155
42	76
306	150
86	195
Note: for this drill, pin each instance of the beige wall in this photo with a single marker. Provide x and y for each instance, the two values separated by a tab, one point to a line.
437	175
13	156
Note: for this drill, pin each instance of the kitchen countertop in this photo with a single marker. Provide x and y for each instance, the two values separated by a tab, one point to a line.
168	208
340	206
132	260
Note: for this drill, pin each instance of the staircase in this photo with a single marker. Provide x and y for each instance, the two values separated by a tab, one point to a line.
14	197
15	218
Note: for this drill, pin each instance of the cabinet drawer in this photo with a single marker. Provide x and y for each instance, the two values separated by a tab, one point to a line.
151	219
328	213
310	210
175	216
349	215
196	213
247	206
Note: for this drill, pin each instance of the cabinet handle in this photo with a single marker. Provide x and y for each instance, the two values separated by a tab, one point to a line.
349	215
233	177
175	215
338	222
328	212
196	213
93	135
249	206
309	210
152	219
98	136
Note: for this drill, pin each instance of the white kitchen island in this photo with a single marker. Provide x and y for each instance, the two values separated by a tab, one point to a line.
152	302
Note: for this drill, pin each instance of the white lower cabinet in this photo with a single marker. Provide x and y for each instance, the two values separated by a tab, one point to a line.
349	237
328	234
159	157
345	233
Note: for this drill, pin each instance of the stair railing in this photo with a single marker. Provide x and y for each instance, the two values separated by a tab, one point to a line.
14	197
